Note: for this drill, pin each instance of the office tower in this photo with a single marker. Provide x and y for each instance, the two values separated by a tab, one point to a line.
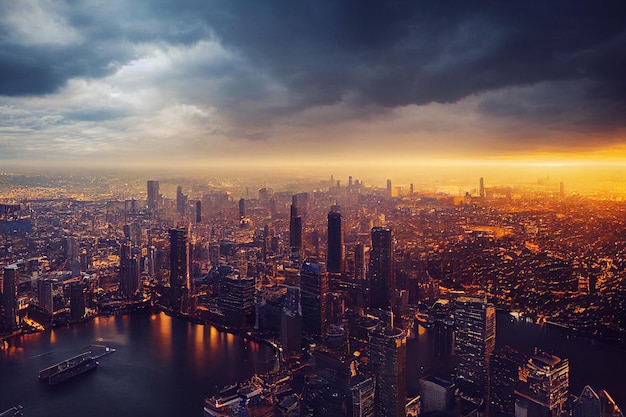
482	187
349	183
313	290
9	299
77	301
503	376
130	273
335	258
45	288
561	190
359	261
475	337
387	347
198	211
180	261
242	208
381	279
389	188
154	197
264	194
291	324
587	404
436	394
72	251
411	189
301	201
363	390
543	385
236	300
295	229
181	201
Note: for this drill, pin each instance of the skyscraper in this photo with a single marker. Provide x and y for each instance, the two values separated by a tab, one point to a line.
313	290
237	300
291	324
198	211
180	260
359	261
130	273
475	338
295	230
9	298
503	376
77	301
242	208
587	404
389	191
381	278
543	385
387	347
482	187
363	390
153	195
181	201
335	258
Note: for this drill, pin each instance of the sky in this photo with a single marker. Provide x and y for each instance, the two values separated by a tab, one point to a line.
201	83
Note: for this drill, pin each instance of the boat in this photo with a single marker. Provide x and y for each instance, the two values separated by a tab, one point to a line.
68	368
13	412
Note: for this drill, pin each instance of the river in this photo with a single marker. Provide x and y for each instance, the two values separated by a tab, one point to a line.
165	366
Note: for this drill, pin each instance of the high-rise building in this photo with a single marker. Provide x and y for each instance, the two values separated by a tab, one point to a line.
77	301
180	280
154	197
543	385
387	347
72	251
198	211
9	299
130	272
359	261
181	201
389	190
313	290
242	208
504	373
482	188
291	324
587	404
45	288
295	229
381	285
475	338
335	258
363	390
561	190
237	300
436	394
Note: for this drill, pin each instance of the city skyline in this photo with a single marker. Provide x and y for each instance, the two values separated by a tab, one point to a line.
194	84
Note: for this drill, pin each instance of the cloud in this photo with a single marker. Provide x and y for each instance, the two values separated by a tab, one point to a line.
221	76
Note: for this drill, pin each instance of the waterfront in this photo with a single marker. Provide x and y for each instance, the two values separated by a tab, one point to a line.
592	363
165	366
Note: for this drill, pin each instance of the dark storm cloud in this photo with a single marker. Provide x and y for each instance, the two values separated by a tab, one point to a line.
399	53
380	53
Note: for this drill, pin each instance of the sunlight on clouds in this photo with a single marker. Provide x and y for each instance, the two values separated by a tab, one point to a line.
38	22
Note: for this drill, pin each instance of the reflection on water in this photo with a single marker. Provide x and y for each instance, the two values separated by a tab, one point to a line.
163	366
